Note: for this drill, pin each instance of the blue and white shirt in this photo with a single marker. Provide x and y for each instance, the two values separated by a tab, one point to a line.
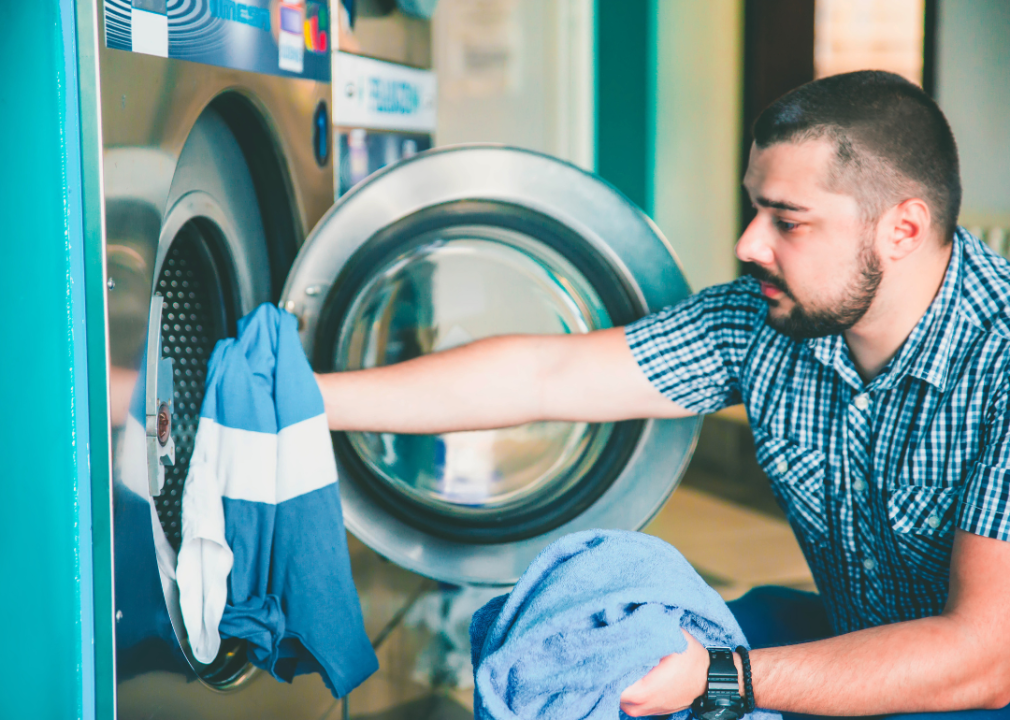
874	478
264	552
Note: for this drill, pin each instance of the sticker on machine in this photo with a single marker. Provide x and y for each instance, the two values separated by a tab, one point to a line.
149	27
380	95
290	38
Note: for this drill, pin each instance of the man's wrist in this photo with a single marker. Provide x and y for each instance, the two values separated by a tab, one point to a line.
738	661
724	697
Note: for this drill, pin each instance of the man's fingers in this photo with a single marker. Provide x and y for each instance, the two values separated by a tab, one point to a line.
635	698
635	710
671	685
634	693
639	706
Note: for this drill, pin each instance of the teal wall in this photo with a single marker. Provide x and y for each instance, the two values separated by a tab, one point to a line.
625	96
47	667
668	99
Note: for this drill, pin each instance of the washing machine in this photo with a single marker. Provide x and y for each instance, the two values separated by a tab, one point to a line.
218	196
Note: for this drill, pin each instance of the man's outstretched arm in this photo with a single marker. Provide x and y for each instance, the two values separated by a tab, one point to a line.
498	382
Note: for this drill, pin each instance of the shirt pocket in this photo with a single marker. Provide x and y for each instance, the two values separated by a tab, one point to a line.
797	476
922	519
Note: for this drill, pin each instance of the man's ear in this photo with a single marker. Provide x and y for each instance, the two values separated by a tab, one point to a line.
906	227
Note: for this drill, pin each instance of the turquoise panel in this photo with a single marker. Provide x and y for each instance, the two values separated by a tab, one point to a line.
625	96
47	667
88	98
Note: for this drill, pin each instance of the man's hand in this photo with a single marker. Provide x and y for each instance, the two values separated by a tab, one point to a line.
670	686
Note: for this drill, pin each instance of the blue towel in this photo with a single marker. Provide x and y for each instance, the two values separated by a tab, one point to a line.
593	613
264	552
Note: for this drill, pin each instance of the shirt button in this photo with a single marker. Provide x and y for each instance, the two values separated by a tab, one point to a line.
869	564
933	521
862	402
782	467
859	486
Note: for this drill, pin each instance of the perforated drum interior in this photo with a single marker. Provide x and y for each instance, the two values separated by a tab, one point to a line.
198	312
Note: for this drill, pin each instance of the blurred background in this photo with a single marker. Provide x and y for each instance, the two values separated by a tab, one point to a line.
658	96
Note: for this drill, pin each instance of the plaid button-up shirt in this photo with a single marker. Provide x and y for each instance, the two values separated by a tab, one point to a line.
873	477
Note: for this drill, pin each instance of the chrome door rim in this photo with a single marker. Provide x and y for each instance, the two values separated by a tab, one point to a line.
611	226
596	468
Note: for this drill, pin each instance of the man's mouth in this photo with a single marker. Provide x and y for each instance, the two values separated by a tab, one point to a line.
770	291
772	287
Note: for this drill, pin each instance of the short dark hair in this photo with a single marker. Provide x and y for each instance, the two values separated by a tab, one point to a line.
892	140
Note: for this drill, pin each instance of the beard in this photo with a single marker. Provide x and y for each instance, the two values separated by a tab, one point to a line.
804	322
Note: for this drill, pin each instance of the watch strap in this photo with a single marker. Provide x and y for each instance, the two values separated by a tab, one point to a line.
722	673
721	698
748	684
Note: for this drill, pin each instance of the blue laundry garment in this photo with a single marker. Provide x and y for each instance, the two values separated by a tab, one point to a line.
593	613
264	552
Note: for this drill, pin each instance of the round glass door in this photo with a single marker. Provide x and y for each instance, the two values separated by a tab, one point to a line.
452	287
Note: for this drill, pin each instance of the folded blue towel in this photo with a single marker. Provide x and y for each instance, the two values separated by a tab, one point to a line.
264	551
593	613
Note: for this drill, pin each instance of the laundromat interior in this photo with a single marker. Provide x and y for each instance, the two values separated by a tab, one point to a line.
403	177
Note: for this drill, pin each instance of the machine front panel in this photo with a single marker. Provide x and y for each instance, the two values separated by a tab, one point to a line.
211	181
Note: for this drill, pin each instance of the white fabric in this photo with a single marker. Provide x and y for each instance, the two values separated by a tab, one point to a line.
240	465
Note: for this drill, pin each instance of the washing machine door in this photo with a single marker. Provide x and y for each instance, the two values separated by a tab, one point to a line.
452	246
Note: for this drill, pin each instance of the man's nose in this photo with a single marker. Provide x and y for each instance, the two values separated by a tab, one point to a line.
754	246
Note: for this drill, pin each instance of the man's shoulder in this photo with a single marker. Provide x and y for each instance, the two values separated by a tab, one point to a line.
985	290
734	309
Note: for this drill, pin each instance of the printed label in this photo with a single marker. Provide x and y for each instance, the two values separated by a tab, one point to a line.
289	38
381	95
239	12
150	32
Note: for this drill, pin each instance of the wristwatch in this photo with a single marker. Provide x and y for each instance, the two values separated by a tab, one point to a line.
721	699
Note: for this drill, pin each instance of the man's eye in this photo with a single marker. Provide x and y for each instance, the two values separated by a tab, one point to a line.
785	225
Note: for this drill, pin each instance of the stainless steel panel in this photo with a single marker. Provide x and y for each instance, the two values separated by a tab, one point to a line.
253	180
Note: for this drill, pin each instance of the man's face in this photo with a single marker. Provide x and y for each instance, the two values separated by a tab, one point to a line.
814	253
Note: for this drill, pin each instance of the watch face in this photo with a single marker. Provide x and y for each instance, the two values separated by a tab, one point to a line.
722	713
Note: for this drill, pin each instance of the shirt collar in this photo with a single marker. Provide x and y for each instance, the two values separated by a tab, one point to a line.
833	352
926	352
932	360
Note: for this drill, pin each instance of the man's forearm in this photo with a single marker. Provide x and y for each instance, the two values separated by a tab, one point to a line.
929	665
490	383
498	382
957	661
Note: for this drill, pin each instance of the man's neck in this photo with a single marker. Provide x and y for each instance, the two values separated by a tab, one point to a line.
898	307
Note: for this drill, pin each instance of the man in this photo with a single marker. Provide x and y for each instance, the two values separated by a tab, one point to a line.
871	352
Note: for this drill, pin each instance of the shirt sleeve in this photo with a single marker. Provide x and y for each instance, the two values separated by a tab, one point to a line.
693	352
985	504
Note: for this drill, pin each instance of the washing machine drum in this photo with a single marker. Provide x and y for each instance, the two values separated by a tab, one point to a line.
457	245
